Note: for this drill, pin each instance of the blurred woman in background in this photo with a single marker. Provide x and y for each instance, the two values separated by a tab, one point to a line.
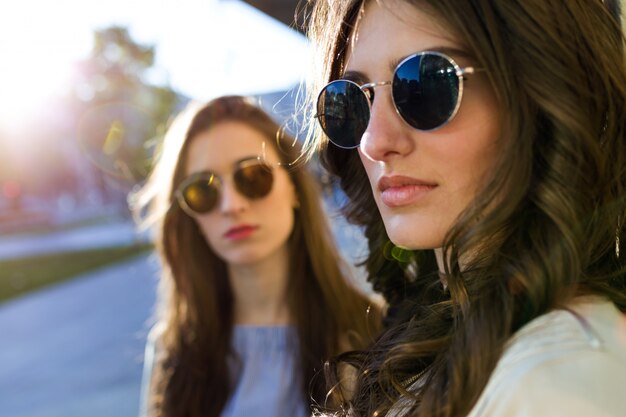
253	295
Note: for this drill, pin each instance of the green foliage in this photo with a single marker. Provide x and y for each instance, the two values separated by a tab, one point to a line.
119	56
119	111
92	143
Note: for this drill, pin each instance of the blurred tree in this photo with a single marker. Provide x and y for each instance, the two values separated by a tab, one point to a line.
119	58
118	110
86	148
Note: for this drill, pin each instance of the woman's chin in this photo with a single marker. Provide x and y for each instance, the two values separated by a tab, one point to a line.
414	241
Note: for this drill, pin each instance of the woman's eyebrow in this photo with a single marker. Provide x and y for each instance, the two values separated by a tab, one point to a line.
356	76
246	159
205	171
453	52
446	50
360	77
200	172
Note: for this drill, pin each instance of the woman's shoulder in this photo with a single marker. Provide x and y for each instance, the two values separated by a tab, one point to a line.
569	362
590	324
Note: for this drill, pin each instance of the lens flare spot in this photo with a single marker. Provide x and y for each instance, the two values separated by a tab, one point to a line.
114	138
401	255
392	252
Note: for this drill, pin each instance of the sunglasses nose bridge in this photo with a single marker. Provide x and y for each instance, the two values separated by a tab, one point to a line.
368	89
369	92
385	134
231	199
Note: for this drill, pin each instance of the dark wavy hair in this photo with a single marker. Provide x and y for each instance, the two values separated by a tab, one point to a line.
545	227
196	301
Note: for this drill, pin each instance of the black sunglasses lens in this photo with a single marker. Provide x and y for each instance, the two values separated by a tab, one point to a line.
201	195
426	91
343	112
254	181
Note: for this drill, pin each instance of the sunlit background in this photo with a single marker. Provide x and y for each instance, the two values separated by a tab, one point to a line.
86	90
85	85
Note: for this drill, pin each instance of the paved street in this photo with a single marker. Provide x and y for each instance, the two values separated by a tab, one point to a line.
76	349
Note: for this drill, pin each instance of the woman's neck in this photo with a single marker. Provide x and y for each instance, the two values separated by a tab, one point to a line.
260	290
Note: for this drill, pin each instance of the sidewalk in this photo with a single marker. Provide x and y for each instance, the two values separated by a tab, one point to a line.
76	349
115	233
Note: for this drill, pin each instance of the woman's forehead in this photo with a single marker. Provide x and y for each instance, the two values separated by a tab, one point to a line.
386	33
225	145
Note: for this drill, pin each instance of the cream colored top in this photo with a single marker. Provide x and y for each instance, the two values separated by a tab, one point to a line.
567	363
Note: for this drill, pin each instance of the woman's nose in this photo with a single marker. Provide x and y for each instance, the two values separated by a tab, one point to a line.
231	200
386	135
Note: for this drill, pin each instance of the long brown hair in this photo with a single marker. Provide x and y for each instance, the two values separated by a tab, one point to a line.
196	300
558	70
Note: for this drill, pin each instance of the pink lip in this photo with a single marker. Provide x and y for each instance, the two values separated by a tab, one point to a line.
398	191
240	232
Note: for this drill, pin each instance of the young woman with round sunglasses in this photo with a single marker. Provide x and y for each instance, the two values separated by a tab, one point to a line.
253	296
487	140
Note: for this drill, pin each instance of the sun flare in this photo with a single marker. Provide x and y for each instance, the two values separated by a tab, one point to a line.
36	58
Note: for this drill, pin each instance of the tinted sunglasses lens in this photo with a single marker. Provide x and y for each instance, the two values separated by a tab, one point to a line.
254	181
426	91
343	112
201	195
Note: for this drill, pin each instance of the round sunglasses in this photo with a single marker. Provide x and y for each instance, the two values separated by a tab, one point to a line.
426	89
199	193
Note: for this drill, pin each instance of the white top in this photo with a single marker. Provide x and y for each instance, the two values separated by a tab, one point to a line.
566	363
569	363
